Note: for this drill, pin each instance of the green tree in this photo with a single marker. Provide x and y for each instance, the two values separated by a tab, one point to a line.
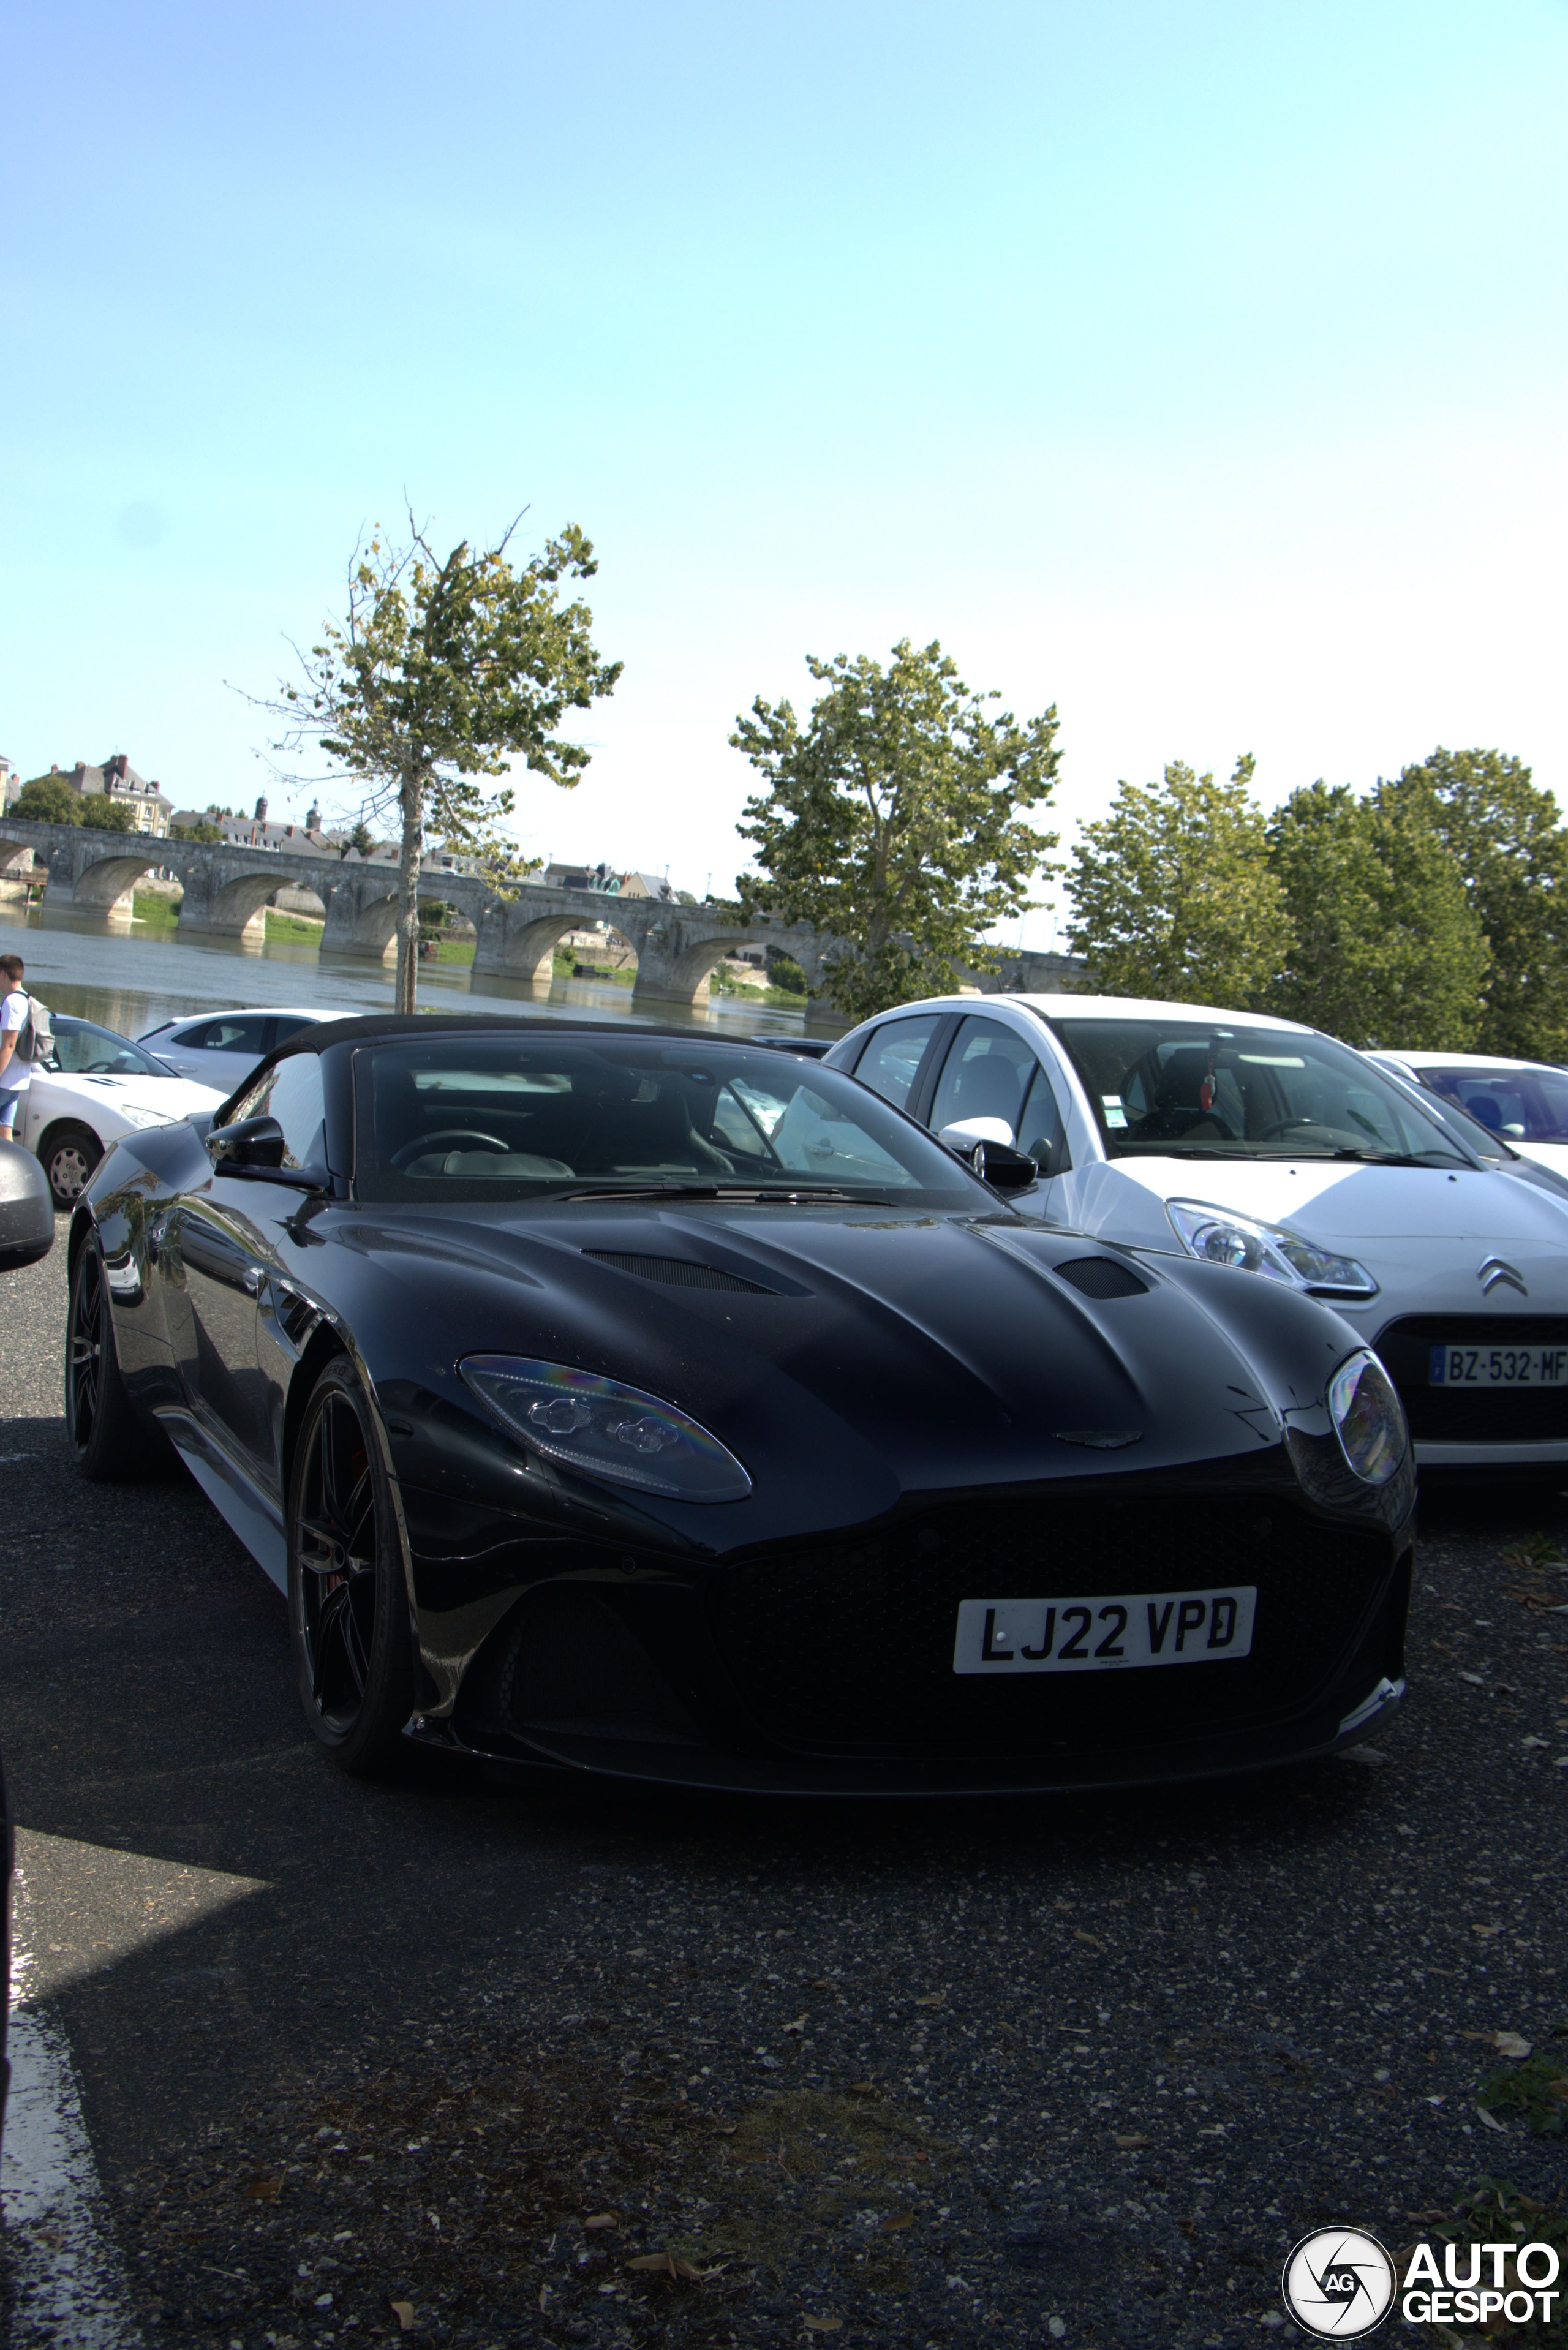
1172	894
443	669
48	799
201	831
895	818
105	814
1507	836
1383	946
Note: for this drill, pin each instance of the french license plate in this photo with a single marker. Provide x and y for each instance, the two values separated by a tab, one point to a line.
1498	1366
1102	1635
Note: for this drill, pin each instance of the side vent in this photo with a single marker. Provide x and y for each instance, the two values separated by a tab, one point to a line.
679	1272
1101	1276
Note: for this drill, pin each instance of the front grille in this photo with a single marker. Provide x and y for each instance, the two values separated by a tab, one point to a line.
846	1646
1474	1415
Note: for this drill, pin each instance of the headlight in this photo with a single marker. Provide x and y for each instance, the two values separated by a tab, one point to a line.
1369	1417
606	1430
134	1116
1221	1238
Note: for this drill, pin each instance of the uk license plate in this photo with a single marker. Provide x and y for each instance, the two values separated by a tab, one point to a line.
1104	1635
1498	1366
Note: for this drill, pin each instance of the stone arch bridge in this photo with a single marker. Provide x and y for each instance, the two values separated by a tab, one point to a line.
226	887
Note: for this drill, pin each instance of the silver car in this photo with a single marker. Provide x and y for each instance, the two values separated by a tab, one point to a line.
222	1048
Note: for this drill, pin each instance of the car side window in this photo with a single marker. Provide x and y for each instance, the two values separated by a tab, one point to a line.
891	1061
988	1072
244	1035
1040	1129
287	1026
292	1092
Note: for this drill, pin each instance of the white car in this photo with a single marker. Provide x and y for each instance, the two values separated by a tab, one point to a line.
95	1087
1524	1103
222	1048
1260	1144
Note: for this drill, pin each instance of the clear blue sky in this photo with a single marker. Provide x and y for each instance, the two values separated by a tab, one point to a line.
1198	366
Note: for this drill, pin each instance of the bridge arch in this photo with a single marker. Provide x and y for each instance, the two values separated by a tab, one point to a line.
236	905
106	878
696	962
376	919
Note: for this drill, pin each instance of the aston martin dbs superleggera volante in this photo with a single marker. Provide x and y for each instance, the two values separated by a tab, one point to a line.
610	1397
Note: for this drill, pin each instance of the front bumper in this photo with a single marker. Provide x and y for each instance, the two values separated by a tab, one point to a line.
717	1770
826	1668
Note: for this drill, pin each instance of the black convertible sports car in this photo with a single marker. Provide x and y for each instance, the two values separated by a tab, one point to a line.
614	1397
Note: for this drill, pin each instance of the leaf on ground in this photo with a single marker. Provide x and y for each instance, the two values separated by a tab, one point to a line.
896	2220
602	2220
1486	1929
404	2311
798	2025
653	2260
1092	1941
264	2190
932	1998
821	2324
862	2089
1491	2120
1130	2138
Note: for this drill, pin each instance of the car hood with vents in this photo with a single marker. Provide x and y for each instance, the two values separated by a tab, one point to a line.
850	1356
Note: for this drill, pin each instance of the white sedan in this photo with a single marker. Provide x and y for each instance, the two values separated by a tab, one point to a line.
1255	1142
95	1087
1523	1102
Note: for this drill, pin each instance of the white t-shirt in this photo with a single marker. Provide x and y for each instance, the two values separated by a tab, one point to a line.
16	1075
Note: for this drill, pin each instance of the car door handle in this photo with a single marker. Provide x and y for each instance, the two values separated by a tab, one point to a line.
253	1276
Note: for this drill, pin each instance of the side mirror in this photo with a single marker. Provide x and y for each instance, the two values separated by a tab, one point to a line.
1004	1169
965	1132
251	1142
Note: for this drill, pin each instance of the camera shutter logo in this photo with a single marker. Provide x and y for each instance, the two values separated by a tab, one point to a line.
1339	2284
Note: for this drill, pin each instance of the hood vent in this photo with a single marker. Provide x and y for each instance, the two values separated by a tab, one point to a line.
679	1272
1101	1276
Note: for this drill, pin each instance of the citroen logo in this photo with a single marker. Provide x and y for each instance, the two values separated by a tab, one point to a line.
1494	1272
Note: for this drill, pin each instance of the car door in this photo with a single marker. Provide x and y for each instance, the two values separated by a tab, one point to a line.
294	1094
220	1052
225	1258
989	1070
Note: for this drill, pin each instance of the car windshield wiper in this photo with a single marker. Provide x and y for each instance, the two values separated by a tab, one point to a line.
1399	1158
750	1192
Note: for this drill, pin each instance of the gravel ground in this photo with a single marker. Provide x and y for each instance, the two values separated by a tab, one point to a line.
609	2068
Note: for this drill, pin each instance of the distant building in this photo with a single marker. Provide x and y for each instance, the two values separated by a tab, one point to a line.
10	782
118	780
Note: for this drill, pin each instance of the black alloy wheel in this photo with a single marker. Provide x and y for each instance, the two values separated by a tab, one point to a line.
100	1422
349	1607
69	1158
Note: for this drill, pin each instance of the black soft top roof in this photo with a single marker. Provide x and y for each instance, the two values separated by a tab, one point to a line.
372	1027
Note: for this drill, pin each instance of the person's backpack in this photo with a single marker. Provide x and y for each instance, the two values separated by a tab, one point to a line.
36	1036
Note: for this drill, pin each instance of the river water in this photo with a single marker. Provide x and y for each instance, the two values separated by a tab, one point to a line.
101	967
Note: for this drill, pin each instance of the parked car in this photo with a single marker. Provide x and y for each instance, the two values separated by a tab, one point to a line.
1260	1144
222	1048
632	1402
26	1210
1523	1104
96	1087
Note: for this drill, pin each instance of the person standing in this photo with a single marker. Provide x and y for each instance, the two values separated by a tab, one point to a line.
16	1076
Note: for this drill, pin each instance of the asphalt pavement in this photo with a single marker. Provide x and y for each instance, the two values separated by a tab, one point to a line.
436	2058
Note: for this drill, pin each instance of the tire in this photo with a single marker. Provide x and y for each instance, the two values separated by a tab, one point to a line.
105	1436
68	1156
347	1601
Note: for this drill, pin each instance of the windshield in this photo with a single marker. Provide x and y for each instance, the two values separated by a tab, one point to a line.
1519	1105
1191	1089
513	1117
84	1050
